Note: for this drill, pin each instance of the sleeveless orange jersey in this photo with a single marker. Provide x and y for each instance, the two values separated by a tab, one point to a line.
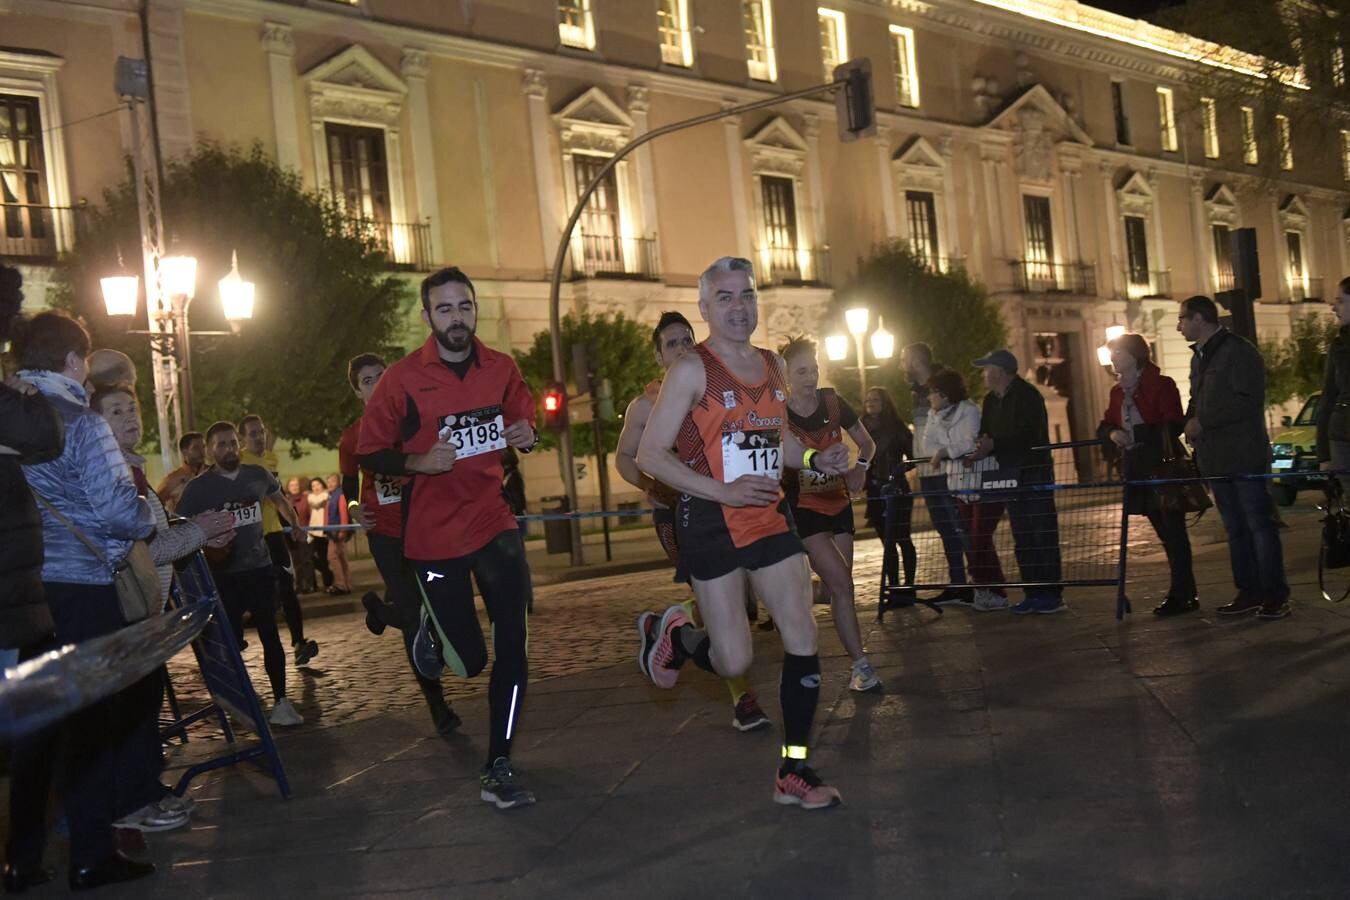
667	495
734	430
825	494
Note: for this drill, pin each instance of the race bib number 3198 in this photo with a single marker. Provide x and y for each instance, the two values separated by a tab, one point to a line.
474	432
752	453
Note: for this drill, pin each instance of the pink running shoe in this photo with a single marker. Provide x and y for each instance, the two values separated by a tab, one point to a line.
646	638
659	643
805	789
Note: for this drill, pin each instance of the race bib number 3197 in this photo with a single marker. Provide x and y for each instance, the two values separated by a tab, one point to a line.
752	453
245	515
474	432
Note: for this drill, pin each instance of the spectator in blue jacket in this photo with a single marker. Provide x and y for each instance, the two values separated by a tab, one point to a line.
91	486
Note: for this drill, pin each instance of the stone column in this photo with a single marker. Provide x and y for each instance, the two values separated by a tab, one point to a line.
814	182
888	206
1204	272
740	212
280	49
638	108
414	70
545	166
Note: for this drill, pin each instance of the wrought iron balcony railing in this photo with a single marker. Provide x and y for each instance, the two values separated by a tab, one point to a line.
792	266
1032	276
1141	284
613	256
1305	290
32	233
406	245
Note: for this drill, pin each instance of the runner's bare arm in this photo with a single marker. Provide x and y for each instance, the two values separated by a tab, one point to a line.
856	477
681	390
625	457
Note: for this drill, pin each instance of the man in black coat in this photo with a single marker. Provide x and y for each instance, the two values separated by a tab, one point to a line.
1013	423
1226	424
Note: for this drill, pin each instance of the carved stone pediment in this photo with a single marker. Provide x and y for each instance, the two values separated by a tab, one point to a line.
776	148
354	85
1037	122
1222	206
1294	213
919	165
1135	195
593	122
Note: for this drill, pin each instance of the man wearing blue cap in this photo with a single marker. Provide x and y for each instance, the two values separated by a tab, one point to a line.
1014	421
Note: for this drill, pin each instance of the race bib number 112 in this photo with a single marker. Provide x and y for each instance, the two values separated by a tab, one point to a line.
474	432
752	453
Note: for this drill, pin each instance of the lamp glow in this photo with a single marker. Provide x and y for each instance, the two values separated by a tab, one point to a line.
236	294
120	293
836	347
1104	355
856	320
883	342
179	275
1114	331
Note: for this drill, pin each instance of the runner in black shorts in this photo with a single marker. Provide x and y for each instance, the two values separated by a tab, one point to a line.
442	415
821	504
724	409
671	339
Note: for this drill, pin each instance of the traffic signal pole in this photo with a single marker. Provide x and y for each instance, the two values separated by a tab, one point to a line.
565	454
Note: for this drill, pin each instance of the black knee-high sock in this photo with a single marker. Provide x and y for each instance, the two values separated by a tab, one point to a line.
696	645
798	691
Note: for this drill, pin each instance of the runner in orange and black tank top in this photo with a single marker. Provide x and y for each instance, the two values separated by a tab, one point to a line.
735	430
820	503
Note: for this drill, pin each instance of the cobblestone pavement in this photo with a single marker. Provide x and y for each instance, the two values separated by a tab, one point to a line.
576	627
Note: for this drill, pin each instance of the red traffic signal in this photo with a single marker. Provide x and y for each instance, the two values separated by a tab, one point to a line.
554	403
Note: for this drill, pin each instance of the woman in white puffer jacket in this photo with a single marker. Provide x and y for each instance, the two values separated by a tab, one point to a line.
953	428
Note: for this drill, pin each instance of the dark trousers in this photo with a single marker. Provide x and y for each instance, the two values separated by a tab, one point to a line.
318	547
1171	529
1035	528
290	602
402	601
980	520
503	578
901	544
255	592
1253	538
106	757
947	522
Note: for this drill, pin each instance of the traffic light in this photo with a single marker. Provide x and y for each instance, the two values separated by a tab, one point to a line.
554	403
854	106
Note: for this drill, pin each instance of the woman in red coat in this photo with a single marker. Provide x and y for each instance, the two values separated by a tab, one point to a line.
1143	415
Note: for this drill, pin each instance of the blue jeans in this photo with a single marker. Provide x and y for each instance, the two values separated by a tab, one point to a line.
947	522
1253	538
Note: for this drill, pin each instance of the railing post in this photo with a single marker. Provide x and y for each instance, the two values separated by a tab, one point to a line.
1122	601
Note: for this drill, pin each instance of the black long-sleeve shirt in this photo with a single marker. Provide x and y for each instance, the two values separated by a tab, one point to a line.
1016	422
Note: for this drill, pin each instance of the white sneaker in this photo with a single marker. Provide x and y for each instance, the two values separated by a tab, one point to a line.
987	601
864	678
284	714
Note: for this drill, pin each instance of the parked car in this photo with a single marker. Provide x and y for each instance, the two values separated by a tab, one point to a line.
1294	449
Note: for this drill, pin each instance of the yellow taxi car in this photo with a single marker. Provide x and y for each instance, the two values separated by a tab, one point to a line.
1294	449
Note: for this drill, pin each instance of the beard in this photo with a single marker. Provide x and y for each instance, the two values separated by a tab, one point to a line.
456	339
228	462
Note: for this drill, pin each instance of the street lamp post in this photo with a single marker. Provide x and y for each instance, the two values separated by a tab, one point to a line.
882	341
169	331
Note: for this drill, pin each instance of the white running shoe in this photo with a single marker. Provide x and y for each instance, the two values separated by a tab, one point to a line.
285	714
987	601
864	680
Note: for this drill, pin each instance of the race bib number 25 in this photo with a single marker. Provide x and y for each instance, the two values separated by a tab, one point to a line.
388	490
810	481
752	453
474	432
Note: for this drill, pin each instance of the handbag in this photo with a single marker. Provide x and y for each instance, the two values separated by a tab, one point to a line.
135	577
1188	497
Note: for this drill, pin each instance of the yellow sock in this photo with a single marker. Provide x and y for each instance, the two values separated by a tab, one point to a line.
739	687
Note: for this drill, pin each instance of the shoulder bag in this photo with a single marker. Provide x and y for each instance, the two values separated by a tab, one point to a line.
1188	497
135	577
